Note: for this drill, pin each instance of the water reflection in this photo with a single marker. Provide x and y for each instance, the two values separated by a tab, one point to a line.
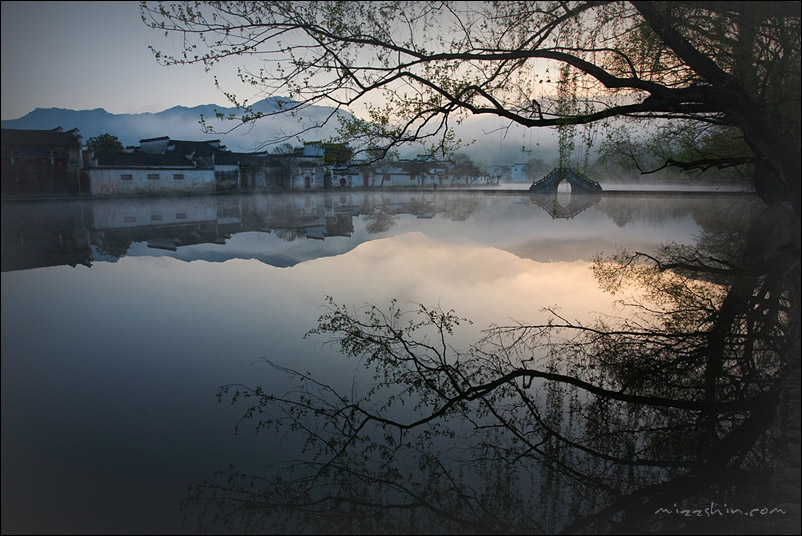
81	232
110	371
565	204
46	237
558	427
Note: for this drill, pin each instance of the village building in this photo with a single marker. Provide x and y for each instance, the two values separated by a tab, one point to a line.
164	145
41	162
52	162
193	166
319	165
410	173
518	173
146	174
250	171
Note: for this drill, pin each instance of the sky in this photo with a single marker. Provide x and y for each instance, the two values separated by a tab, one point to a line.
87	55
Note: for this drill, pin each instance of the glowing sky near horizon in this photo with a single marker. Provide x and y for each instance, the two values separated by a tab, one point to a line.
86	55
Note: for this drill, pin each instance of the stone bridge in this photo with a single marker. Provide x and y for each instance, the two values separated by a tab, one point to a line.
578	181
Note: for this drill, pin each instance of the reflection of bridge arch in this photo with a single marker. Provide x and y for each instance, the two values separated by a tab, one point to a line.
549	184
555	204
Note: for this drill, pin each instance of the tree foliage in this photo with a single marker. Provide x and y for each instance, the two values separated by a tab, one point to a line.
105	144
735	65
463	168
535	169
711	149
417	169
378	164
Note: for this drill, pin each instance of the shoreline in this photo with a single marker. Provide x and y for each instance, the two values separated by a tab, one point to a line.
461	190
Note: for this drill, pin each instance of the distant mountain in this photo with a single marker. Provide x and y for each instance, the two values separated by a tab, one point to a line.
181	123
495	144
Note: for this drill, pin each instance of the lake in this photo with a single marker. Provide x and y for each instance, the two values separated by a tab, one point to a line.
121	318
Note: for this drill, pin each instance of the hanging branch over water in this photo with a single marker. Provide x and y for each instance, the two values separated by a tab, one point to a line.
419	67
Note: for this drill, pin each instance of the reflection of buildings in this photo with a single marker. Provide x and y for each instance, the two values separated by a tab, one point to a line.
171	223
312	217
162	223
50	236
64	233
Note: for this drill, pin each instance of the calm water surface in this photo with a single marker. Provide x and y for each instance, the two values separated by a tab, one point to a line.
120	318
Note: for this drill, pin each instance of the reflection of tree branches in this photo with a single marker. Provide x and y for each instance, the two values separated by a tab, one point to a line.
420	205
290	235
462	208
114	247
540	427
379	221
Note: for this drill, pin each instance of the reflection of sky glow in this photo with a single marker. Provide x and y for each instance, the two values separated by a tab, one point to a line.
109	373
121	360
483	283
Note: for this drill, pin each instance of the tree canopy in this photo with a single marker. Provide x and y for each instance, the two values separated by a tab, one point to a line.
729	67
104	144
464	168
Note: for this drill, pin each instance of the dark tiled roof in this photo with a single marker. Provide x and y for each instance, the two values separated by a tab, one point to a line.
40	138
200	148
243	159
139	160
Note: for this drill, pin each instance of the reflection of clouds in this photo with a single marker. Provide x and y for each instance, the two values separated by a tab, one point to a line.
485	284
529	231
137	347
510	223
546	249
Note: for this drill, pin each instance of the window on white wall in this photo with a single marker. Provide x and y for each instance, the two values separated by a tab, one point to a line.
126	177
153	176
178	176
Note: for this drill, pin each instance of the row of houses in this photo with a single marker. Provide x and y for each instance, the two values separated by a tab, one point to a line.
55	162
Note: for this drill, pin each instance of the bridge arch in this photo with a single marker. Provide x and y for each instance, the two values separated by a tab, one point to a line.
579	183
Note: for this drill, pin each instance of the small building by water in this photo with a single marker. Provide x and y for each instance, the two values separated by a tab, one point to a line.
142	173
